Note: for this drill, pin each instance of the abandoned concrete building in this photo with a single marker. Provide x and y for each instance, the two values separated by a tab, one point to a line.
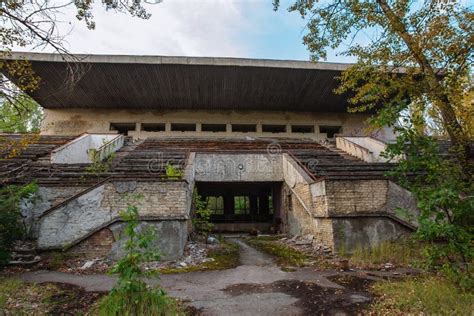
267	144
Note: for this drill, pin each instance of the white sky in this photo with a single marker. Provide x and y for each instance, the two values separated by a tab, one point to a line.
243	28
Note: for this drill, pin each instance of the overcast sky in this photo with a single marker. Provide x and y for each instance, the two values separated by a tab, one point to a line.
240	28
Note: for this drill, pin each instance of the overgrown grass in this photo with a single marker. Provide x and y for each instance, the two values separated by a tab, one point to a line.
401	253
21	298
153	302
8	287
284	255
225	257
431	295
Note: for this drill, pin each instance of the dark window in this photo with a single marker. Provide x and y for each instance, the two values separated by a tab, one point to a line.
153	127
183	127
215	204
302	128
273	128
270	204
330	130
122	128
244	128
241	205
213	127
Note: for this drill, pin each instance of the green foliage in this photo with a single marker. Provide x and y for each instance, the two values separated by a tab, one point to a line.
97	167
202	216
20	115
415	73
131	295
11	227
422	296
399	67
172	172
445	201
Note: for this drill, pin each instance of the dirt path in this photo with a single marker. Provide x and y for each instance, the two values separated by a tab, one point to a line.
256	287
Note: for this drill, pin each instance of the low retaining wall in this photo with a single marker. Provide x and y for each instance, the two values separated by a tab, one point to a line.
163	203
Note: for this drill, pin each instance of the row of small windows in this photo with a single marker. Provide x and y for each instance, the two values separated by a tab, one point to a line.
215	204
124	128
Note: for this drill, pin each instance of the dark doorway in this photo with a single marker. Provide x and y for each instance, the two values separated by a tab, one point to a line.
241	206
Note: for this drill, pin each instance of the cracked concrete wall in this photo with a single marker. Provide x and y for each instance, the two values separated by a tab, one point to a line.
94	209
73	121
45	198
170	241
238	167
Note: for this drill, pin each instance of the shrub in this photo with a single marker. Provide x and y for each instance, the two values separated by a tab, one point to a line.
202	216
173	172
131	295
11	227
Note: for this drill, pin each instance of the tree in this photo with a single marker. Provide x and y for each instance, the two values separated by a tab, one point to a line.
415	74
20	119
431	43
34	24
131	295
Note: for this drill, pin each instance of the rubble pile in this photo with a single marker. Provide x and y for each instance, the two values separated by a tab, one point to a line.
194	254
306	244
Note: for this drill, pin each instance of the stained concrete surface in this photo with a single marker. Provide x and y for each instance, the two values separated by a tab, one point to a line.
208	291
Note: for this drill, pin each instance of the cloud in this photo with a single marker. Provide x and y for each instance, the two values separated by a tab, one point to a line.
185	28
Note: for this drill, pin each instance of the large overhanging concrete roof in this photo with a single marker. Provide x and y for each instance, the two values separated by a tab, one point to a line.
170	83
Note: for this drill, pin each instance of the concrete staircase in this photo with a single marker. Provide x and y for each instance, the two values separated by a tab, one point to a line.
24	254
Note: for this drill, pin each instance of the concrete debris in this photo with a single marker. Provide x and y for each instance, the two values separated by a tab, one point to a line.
212	240
194	254
87	265
306	244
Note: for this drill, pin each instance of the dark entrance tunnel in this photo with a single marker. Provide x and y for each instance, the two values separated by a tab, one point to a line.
242	206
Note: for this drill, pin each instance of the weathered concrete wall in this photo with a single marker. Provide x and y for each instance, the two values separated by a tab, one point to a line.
45	198
350	233
77	121
109	241
237	167
304	204
171	238
401	203
81	216
365	148
300	222
75	151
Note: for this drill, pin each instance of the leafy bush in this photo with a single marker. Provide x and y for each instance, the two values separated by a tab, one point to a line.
11	227
131	295
445	199
202	216
172	172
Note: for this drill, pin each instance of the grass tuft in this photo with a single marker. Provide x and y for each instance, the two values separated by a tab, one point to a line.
401	253
431	295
